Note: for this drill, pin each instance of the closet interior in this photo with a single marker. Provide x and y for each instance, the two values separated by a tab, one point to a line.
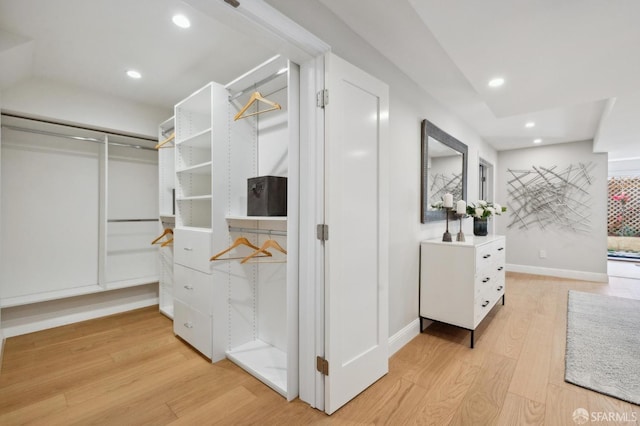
233	289
78	211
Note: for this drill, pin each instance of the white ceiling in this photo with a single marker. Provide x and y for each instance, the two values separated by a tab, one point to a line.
93	43
571	66
562	62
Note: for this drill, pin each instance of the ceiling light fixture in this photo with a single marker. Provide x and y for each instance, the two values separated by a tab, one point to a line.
537	141
181	21
496	82
134	74
530	124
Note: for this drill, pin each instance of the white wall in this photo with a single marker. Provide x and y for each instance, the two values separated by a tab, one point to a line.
409	105
569	254
72	105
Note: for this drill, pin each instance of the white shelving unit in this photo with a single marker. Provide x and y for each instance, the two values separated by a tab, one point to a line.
245	312
166	175
202	130
263	297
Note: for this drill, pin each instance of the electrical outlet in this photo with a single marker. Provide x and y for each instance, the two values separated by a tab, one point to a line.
543	254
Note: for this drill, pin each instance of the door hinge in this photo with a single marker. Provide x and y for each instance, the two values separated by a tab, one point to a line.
322	365
322	98
323	232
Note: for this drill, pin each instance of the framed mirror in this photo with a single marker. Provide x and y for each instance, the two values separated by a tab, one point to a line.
444	170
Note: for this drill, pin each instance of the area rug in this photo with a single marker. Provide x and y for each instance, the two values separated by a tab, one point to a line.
603	345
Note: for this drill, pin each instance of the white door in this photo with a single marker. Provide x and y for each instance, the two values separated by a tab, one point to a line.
356	253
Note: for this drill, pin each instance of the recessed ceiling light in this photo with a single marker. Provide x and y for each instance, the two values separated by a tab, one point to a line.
496	82
181	21
537	140
134	74
530	124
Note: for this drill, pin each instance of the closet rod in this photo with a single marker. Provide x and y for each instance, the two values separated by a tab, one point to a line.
78	138
258	231
75	126
258	84
132	220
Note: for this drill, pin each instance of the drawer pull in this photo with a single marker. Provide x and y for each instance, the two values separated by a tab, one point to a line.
486	280
188	248
486	302
188	287
499	288
190	324
501	268
500	248
486	256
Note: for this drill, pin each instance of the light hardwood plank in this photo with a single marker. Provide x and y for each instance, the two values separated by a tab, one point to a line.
131	369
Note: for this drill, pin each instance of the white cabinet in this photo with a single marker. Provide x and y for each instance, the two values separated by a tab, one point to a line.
461	281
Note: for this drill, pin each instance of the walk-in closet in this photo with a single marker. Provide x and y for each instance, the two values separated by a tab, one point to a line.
235	274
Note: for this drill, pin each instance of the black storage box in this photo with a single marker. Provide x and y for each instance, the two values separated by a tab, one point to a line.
267	196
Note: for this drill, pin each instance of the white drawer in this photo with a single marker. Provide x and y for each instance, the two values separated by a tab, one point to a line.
192	248
483	304
194	288
490	254
193	326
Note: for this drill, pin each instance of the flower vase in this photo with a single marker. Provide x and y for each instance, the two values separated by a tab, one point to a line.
480	226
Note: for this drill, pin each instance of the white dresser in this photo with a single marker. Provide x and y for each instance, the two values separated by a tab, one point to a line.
461	281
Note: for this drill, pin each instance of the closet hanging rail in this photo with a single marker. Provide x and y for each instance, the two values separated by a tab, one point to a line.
258	84
131	220
78	138
258	231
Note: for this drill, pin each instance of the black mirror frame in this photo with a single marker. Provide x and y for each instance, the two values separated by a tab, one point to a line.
431	130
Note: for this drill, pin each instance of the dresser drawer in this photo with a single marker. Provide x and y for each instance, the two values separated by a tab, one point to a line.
491	254
192	248
194	288
193	326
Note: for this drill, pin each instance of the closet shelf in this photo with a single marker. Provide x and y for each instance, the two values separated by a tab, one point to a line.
198	169
194	198
264	361
261	218
199	140
8	302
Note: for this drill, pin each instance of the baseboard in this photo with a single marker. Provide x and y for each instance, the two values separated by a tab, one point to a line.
560	273
31	327
404	336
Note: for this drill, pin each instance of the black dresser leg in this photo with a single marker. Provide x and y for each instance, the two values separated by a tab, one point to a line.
472	331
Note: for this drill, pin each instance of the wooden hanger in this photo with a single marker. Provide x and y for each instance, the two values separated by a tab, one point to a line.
165	232
169	242
238	242
171	137
267	244
255	97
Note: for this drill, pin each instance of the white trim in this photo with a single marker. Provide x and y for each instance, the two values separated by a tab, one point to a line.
77	317
404	336
560	273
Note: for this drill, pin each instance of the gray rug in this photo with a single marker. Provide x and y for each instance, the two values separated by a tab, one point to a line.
603	344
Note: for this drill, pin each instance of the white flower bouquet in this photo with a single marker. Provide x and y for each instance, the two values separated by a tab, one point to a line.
484	209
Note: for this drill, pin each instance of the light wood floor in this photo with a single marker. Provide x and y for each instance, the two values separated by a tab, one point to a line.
129	369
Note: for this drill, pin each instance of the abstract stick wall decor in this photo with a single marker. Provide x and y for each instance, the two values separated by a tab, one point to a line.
550	197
